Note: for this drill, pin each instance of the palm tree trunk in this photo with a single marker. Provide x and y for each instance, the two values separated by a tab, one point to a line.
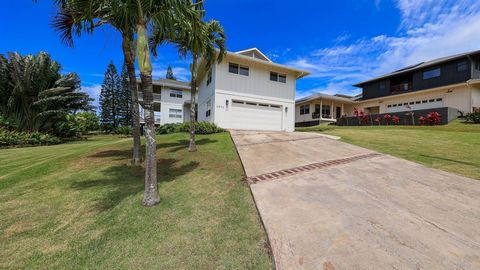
151	196
129	62
193	146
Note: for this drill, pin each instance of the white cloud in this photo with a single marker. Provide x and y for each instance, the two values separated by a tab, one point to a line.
429	29
94	92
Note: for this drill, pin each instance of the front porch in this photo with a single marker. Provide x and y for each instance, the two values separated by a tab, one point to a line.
321	109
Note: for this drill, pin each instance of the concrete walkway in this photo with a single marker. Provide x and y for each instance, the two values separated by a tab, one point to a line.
331	205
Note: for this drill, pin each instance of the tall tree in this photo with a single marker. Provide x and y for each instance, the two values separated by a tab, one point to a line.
76	16
131	17
201	39
170	75
125	100
34	95
109	99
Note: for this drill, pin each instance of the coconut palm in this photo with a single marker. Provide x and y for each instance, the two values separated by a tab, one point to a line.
136	16
201	39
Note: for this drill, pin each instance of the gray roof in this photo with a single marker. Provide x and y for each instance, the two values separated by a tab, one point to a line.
421	66
324	96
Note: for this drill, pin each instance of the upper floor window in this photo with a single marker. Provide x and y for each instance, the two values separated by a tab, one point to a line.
382	85
277	77
208	108
175	113
305	109
238	69
209	79
176	93
432	73
462	66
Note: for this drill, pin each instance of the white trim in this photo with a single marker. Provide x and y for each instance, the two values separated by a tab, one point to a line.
220	91
257	50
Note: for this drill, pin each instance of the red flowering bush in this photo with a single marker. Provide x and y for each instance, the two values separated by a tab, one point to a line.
377	120
387	118
434	118
422	120
364	118
395	119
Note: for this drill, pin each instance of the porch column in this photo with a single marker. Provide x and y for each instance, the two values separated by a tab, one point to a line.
342	112
331	111
321	108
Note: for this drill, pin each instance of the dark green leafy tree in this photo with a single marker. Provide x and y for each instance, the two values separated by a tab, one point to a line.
109	97
125	99
34	95
170	75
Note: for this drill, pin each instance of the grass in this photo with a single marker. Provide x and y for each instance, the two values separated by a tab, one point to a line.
78	206
454	147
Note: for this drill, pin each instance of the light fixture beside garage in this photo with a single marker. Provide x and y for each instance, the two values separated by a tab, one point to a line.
226	104
286	109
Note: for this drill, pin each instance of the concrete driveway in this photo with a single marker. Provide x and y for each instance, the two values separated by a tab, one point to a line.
331	205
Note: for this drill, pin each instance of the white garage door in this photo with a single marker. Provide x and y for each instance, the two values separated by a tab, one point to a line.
256	116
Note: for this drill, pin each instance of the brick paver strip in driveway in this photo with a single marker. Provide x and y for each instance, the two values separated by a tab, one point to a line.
380	212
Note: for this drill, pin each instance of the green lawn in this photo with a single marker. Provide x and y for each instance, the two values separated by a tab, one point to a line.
454	147
78	206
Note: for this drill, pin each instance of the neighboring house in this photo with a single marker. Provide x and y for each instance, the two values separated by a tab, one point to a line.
452	82
171	102
248	91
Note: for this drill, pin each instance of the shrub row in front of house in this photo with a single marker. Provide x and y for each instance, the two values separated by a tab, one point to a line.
200	128
19	138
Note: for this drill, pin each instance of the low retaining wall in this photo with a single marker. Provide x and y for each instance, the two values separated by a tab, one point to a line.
447	115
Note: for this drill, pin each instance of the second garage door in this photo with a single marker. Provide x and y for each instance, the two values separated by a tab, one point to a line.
256	116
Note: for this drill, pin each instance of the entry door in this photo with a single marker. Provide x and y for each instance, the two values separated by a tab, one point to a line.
338	112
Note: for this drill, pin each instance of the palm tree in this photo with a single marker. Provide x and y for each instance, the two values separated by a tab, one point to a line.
201	39
73	17
34	95
137	15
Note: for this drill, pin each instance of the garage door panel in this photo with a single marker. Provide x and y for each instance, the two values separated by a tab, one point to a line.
253	116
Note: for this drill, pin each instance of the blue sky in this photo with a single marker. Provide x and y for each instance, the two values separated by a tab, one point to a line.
341	42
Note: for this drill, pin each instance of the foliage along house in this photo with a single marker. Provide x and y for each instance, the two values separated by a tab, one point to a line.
449	82
245	91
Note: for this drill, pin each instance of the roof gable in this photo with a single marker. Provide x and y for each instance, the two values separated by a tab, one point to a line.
254	53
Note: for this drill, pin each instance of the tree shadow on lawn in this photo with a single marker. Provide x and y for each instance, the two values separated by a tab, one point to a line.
122	181
450	160
183	144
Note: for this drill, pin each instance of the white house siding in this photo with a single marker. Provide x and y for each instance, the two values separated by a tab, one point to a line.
459	97
476	98
257	83
225	115
206	93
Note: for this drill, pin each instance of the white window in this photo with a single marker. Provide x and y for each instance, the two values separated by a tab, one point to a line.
277	77
238	69
305	109
208	108
462	66
176	93
175	113
433	73
209	79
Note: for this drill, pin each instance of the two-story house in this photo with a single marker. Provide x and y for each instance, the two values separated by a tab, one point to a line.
248	91
171	102
452	82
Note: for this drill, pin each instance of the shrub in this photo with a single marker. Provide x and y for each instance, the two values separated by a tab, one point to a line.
387	118
395	119
167	129
200	128
124	130
473	117
16	138
207	128
434	118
